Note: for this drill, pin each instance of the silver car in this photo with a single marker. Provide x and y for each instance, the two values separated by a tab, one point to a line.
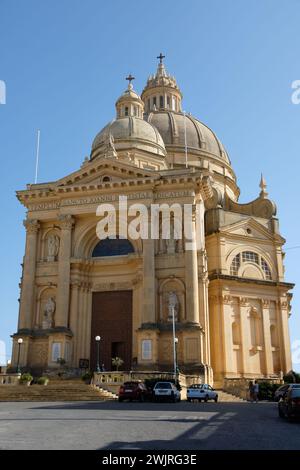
201	392
166	391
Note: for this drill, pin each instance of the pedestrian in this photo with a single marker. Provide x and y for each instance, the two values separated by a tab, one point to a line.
255	391
250	390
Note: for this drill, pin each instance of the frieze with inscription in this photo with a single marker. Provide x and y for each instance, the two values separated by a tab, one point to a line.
108	198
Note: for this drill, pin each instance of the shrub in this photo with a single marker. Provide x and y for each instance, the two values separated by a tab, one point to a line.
42	380
26	377
267	390
61	361
87	376
291	377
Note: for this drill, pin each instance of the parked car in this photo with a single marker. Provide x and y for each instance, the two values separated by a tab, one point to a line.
289	404
166	391
280	391
134	390
201	392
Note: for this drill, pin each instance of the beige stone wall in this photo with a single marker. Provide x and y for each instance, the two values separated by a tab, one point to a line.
236	324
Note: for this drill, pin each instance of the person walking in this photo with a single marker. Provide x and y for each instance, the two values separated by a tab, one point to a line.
255	391
250	390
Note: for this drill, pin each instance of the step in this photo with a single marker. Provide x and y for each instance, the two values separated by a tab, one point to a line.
228	397
65	391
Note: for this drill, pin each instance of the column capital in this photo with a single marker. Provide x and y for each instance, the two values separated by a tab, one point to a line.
243	301
265	303
31	225
66	221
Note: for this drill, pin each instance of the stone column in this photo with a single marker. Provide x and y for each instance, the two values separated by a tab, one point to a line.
149	300
74	321
203	304
245	328
267	337
227	333
28	279
191	275
63	283
204	316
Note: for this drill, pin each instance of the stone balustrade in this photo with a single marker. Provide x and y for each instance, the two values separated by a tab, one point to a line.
9	379
111	381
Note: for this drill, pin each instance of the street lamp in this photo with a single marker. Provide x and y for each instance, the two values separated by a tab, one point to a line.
173	306
98	339
20	341
176	357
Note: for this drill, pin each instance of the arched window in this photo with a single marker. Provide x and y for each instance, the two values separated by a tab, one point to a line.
126	111
112	247
235	265
161	101
266	269
250	257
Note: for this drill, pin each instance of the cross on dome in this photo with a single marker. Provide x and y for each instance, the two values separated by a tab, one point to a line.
161	57
130	78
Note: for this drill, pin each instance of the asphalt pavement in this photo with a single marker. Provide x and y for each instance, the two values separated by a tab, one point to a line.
149	426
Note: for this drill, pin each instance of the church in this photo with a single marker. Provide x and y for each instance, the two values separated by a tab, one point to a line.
229	294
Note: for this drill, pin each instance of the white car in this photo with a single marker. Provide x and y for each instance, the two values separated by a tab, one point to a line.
201	392
166	391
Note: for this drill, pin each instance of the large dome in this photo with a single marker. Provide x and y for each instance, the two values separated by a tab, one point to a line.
130	133
172	126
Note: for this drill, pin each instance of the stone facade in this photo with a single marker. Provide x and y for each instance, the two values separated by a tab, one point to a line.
232	304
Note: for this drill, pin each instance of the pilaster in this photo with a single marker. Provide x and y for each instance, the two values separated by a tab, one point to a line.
28	279
63	284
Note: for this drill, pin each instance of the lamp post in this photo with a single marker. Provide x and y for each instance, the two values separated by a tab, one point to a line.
176	357
20	341
98	339
174	339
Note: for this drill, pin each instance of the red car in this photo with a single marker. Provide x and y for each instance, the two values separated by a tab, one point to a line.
134	390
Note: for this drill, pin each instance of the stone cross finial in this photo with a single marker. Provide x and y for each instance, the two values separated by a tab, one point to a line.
160	57
130	78
263	187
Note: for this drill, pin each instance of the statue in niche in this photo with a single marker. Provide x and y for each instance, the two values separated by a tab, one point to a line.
49	310
173	305
52	246
110	146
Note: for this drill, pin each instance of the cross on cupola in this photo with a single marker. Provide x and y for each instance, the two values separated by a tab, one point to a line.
130	103
161	57
130	78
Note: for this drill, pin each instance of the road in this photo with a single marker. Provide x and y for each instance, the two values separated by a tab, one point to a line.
149	426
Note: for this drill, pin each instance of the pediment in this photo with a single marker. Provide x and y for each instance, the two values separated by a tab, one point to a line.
105	171
251	229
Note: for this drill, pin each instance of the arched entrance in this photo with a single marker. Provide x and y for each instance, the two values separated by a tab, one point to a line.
112	320
112	313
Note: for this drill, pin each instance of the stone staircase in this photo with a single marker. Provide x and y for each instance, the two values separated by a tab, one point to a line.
227	397
63	390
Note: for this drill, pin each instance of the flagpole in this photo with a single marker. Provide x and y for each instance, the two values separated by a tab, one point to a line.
37	155
185	141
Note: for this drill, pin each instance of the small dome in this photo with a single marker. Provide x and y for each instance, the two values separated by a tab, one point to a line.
130	133
171	126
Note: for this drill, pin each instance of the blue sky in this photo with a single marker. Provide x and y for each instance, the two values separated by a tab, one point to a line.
64	64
